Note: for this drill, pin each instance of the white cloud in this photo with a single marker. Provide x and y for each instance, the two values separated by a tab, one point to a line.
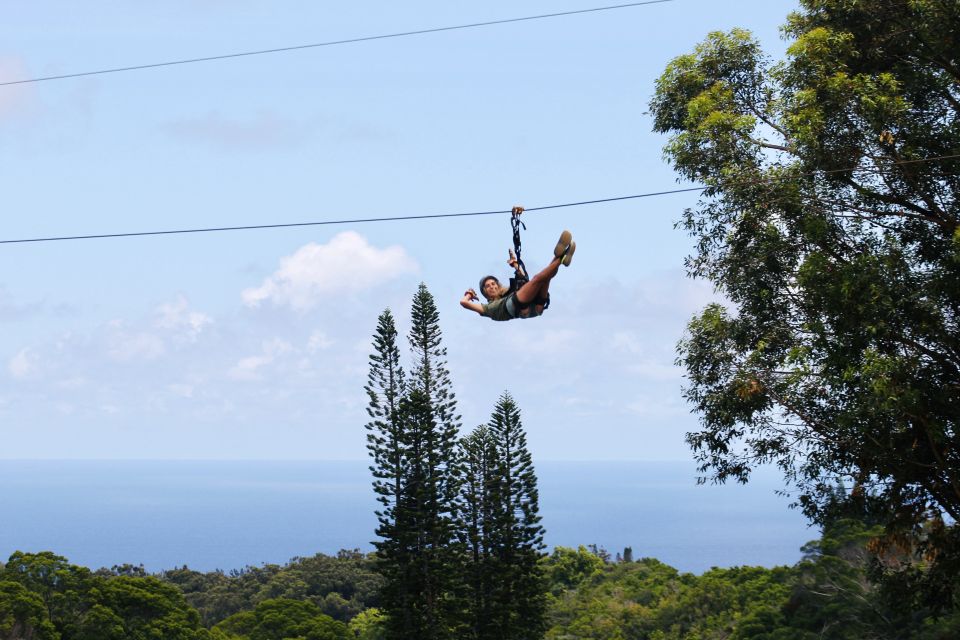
246	368
23	365
177	316
348	263
249	368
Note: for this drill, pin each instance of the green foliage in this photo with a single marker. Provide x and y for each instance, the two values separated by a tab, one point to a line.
283	619
826	596
55	599
569	568
22	614
341	585
830	225
368	625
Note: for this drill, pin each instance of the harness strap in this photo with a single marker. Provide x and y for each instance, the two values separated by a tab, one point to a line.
520	273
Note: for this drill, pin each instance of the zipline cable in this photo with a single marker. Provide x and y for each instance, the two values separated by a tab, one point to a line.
332	43
581	203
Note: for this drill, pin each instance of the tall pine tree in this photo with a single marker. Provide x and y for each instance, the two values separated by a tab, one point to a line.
478	491
412	439
437	425
500	525
386	387
387	445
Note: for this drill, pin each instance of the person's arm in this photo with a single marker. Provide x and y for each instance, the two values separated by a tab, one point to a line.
515	264
469	301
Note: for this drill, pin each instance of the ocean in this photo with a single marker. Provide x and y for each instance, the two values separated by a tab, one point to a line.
230	514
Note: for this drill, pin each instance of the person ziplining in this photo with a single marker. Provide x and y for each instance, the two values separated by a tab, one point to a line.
525	297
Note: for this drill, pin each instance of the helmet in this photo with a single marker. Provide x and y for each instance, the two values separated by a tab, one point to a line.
483	281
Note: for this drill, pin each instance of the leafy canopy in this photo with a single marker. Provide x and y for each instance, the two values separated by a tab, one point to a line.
830	224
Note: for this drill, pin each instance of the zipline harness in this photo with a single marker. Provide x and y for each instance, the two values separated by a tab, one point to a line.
520	271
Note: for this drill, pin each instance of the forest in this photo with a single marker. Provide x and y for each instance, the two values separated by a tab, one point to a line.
590	595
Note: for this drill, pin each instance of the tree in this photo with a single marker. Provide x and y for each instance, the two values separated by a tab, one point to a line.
135	607
500	529
830	224
833	595
22	614
387	442
519	602
478	495
419	590
386	387
282	619
342	585
65	589
81	605
412	439
431	378
368	625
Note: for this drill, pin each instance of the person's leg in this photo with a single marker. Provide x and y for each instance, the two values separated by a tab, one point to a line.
539	285
537	288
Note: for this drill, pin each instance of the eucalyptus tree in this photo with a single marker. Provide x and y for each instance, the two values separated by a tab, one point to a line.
829	223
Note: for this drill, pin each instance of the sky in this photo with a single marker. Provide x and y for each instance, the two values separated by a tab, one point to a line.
254	344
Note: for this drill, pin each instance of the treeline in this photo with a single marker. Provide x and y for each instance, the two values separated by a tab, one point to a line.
589	596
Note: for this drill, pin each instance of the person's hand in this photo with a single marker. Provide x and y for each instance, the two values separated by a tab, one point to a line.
512	259
470	294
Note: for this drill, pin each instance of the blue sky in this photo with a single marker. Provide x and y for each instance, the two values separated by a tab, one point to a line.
254	344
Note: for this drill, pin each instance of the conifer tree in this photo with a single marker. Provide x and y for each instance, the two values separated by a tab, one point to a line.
435	426
386	386
476	506
500	527
520	598
387	444
412	439
430	373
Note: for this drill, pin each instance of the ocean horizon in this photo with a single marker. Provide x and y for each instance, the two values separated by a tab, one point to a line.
228	514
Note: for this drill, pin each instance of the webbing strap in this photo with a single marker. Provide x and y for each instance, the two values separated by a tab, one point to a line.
520	273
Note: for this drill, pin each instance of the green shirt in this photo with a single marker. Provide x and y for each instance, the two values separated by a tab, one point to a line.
497	310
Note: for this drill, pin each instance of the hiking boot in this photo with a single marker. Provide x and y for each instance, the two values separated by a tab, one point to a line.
563	244
568	256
